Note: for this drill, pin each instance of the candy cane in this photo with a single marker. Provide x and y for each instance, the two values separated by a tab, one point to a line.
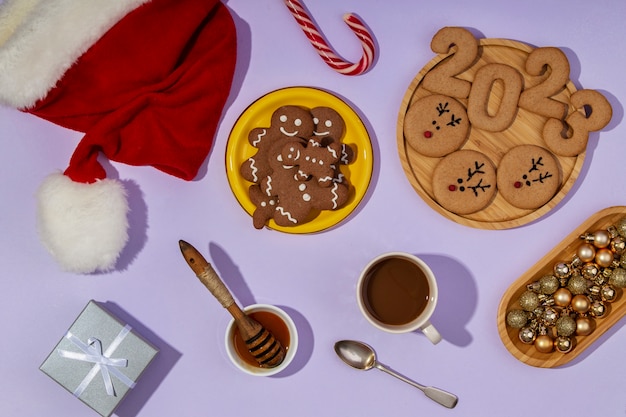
324	50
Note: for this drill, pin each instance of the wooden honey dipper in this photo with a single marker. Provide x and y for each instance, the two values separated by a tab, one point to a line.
265	348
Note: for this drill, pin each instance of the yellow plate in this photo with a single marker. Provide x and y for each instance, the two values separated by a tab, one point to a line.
258	114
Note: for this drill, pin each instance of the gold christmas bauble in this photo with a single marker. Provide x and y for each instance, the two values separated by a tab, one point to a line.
517	318
565	326
618	278
563	344
621	227
618	245
548	284
526	335
561	270
598	309
577	284
544	343
586	252
590	270
581	303
604	257
584	326
528	300
608	293
601	239
562	297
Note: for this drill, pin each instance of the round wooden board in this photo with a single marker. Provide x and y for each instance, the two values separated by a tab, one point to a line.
563	252
526	129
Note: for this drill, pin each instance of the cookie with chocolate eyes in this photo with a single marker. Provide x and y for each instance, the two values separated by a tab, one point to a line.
529	176
464	182
436	125
287	123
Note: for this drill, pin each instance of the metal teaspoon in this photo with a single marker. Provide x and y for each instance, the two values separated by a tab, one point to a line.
361	356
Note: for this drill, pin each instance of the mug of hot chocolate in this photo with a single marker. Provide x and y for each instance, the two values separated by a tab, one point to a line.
397	292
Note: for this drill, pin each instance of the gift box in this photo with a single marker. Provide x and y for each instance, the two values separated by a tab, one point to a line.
99	359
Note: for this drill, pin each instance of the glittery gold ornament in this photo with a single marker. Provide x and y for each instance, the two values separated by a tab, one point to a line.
517	318
586	252
527	335
563	344
621	227
618	278
562	297
577	284
598	309
622	260
604	257
565	326
528	300
608	293
584	326
548	284
581	303
544	343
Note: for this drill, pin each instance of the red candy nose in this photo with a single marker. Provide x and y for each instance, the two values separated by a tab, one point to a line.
428	134
451	187
517	184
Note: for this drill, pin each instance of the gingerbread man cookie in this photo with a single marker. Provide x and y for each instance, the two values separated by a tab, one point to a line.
464	182
287	123
436	125
313	160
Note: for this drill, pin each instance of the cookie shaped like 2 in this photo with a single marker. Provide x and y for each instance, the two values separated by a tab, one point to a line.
464	182
528	176
436	125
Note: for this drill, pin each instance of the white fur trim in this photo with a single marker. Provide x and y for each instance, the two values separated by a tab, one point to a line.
84	226
51	37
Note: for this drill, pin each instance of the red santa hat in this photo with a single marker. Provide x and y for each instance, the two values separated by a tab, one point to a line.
146	81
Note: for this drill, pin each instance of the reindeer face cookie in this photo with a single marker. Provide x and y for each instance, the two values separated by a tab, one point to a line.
436	125
528	176
464	182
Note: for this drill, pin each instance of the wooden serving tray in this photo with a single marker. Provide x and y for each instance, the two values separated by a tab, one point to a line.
563	252
526	129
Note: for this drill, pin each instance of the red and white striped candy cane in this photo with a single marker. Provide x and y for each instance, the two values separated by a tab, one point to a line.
324	50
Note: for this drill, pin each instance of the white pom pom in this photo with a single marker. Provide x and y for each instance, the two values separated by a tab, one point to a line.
84	226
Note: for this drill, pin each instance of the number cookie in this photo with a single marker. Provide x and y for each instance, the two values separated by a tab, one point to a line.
571	140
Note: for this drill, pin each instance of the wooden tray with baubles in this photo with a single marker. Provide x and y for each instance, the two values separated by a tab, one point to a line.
563	304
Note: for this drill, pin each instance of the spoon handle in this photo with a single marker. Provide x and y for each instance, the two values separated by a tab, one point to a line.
442	397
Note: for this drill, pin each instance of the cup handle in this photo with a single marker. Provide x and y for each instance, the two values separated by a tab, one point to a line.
431	333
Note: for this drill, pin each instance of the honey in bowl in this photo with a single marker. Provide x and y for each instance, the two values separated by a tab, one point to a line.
273	324
396	291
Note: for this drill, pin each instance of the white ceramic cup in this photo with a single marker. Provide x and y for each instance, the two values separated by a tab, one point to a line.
421	321
255	370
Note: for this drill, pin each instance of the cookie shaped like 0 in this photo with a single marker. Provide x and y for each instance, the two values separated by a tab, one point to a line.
511	94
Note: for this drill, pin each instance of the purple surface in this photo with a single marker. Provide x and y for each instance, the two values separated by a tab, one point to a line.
313	277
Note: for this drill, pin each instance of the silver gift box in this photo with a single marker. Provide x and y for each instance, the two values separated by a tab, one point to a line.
99	359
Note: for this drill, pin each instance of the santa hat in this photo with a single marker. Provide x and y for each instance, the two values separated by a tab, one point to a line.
145	80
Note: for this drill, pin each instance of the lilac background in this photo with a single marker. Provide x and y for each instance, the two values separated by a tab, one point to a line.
313	276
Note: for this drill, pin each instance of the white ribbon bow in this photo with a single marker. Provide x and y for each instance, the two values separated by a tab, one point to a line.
92	352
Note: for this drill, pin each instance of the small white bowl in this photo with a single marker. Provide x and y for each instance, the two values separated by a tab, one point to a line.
254	370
